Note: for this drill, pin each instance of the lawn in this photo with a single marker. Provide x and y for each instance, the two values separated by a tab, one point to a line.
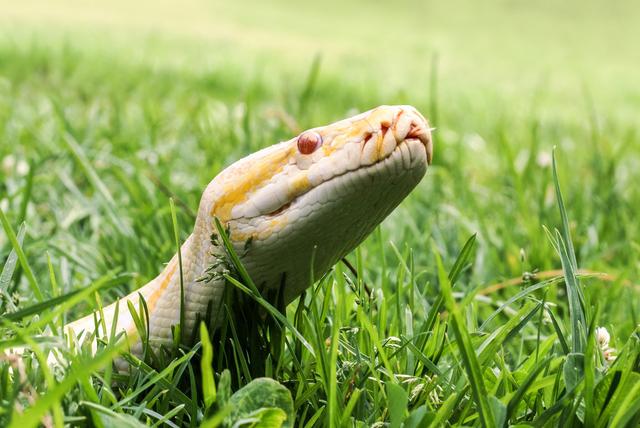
475	303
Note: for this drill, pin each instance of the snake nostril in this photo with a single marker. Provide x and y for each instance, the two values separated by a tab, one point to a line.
384	127
415	130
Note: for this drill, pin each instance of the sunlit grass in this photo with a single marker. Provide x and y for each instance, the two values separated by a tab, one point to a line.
433	323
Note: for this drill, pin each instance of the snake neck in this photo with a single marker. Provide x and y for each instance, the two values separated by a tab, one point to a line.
191	286
187	283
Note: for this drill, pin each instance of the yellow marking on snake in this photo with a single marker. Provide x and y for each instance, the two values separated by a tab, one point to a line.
155	295
299	185
250	180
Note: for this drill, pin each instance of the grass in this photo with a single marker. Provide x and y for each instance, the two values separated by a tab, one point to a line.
475	303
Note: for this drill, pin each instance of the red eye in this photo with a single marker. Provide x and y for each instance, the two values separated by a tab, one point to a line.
308	142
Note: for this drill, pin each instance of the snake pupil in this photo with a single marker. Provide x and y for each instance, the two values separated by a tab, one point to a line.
309	142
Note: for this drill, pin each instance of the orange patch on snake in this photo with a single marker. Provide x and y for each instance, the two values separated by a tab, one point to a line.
155	295
250	180
299	185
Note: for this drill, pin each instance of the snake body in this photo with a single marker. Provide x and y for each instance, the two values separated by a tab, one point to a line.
314	197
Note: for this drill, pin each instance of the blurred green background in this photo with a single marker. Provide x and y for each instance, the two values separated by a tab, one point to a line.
510	48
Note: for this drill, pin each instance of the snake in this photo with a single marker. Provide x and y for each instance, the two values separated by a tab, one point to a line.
291	212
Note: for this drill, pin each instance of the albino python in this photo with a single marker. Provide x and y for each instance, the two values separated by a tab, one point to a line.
316	196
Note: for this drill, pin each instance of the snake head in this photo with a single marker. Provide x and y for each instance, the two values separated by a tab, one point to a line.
319	194
269	181
377	133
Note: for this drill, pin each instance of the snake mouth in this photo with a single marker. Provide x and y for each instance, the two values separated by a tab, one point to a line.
418	130
423	134
407	124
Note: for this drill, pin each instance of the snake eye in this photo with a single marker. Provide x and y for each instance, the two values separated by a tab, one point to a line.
308	142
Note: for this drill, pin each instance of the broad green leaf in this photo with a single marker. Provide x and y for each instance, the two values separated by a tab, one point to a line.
265	417
258	394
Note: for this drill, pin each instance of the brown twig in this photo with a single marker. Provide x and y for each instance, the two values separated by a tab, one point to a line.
354	272
547	274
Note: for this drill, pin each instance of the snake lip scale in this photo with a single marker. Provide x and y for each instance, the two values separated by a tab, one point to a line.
291	210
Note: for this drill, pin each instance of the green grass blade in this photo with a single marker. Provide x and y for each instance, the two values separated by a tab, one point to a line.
461	261
566	233
35	288
7	271
629	407
208	382
467	353
272	311
575	298
520	393
176	238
